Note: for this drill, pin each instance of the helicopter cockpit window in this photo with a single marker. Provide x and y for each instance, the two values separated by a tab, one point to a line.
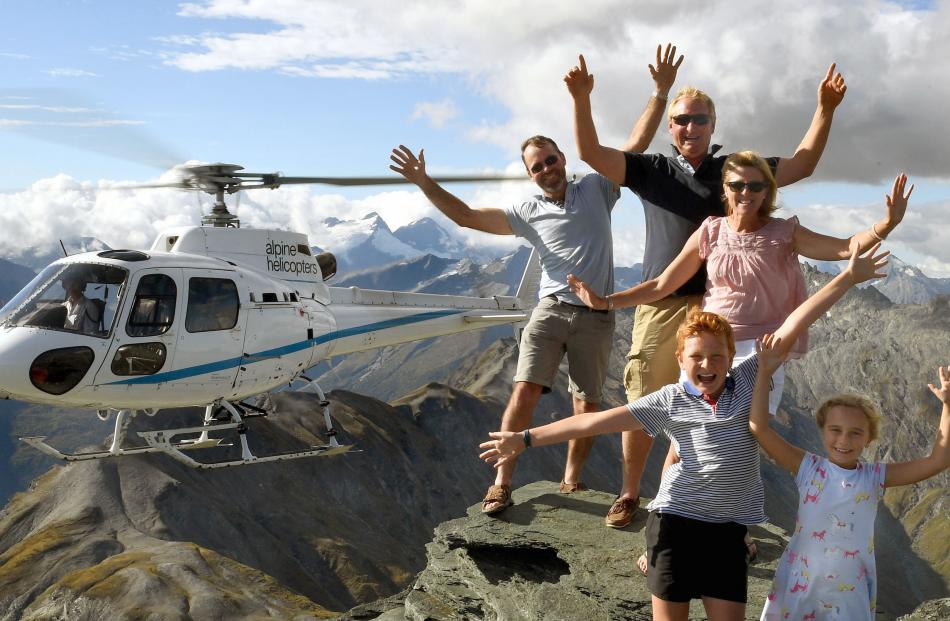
153	310
76	297
212	304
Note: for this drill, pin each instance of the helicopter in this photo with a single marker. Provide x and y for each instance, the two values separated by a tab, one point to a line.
210	316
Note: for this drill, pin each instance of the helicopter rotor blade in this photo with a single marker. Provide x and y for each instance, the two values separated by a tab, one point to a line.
65	118
390	180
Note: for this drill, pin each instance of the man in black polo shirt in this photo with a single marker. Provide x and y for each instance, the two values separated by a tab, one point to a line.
678	192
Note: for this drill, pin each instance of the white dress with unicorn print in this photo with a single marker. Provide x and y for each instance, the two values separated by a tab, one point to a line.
827	571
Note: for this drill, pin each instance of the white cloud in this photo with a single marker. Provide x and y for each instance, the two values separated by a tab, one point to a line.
89	123
762	69
66	72
62	208
437	113
14	56
63	109
126	217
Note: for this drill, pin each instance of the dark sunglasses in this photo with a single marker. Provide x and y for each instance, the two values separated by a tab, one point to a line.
697	119
754	186
548	161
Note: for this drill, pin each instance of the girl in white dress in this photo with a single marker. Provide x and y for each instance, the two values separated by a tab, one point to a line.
828	571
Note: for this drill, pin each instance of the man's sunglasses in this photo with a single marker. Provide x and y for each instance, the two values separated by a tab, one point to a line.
697	119
548	161
754	186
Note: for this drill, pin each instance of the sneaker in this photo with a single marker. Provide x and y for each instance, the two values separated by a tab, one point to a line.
570	488
622	512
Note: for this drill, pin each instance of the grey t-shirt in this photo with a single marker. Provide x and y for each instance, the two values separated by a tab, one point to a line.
573	239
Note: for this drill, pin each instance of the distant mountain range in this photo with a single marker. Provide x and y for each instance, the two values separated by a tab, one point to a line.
423	256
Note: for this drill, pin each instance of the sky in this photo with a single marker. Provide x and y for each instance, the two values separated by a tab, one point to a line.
99	94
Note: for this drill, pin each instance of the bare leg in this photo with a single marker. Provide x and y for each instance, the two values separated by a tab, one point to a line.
670	611
723	610
636	447
578	450
517	417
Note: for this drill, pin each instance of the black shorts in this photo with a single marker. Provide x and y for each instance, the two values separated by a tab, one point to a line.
689	559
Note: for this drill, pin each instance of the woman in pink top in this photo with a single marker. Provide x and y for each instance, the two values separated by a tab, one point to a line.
754	279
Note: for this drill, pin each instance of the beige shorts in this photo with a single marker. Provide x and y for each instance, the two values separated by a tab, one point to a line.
584	335
651	363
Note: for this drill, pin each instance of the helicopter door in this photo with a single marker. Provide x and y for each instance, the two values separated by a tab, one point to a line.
278	342
210	343
145	345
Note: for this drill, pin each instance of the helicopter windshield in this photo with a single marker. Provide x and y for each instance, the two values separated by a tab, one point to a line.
75	297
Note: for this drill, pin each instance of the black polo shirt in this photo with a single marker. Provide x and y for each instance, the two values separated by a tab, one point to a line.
675	201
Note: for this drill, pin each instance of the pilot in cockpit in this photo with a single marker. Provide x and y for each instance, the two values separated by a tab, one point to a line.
82	314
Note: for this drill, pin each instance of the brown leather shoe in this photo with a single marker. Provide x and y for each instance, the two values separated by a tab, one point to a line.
498	498
622	512
570	488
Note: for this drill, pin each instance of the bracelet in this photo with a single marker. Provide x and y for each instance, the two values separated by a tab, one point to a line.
610	302
875	234
527	438
658	95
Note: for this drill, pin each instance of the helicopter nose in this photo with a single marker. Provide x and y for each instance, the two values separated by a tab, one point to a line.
38	368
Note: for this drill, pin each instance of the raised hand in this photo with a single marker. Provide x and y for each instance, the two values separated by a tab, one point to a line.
943	391
896	202
579	82
767	349
866	266
408	165
664	73
585	293
831	89
503	446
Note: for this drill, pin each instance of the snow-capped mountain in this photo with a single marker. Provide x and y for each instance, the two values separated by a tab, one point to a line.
363	243
906	284
369	242
426	235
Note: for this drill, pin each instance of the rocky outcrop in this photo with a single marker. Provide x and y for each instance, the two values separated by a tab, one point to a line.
934	610
547	557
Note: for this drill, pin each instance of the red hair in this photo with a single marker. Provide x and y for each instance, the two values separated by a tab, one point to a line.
698	321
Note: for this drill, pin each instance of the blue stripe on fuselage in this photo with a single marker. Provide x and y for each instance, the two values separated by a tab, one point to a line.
283	350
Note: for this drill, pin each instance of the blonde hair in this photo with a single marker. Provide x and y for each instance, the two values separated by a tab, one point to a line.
751	159
691	92
698	321
858	402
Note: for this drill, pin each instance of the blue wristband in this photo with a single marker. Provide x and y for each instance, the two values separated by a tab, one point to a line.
527	438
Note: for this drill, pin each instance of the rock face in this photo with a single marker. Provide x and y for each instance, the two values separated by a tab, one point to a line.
547	557
934	610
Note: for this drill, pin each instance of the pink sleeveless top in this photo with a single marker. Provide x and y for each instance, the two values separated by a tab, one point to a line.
754	279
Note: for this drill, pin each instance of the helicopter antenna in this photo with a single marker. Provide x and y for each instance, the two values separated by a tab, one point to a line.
63	246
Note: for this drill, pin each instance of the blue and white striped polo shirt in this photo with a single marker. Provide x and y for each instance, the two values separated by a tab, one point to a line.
717	478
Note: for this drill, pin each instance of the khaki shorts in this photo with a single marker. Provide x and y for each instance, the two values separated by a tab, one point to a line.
584	335
651	363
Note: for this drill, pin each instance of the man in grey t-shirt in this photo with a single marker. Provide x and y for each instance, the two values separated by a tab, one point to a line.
569	225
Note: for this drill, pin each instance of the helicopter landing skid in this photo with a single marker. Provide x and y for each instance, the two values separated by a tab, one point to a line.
161	441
